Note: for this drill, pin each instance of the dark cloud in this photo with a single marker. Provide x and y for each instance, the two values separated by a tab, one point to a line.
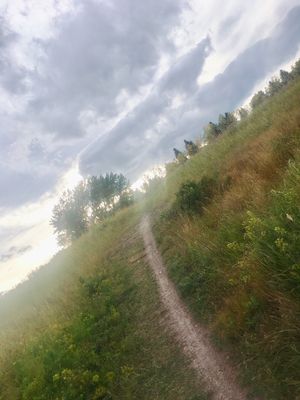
19	187
228	89
127	145
31	167
103	50
108	47
149	133
181	78
102	53
13	252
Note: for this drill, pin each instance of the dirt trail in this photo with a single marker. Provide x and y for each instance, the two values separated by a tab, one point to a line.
210	365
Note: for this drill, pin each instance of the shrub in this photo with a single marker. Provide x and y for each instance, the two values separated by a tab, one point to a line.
193	196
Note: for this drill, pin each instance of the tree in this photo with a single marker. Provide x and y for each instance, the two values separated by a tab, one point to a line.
105	190
226	120
191	147
258	99
275	85
126	199
69	218
285	77
180	157
295	70
90	201
211	131
243	113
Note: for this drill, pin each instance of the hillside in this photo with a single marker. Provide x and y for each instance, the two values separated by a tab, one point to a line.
94	329
90	325
235	259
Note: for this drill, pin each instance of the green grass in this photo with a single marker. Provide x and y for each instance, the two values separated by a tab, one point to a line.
95	328
236	261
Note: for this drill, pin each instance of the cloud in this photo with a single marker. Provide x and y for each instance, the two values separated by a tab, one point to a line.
19	187
154	127
126	146
106	48
183	75
100	60
12	252
227	25
96	60
228	89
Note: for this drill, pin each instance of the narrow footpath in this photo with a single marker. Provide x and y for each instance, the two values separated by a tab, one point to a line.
210	366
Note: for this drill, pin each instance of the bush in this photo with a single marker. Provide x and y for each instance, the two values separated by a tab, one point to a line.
193	196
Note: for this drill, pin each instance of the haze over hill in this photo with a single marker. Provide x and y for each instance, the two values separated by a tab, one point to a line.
93	86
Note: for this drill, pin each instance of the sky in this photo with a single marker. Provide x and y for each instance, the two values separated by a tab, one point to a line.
92	86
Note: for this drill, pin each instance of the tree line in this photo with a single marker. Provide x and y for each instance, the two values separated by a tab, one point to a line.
91	201
230	119
97	197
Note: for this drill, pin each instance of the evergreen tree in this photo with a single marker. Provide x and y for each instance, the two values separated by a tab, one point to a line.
191	147
226	120
285	77
180	157
211	131
258	99
295	70
275	85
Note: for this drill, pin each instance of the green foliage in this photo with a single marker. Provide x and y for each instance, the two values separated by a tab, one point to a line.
275	239
226	121
88	358
126	199
94	331
152	184
211	131
295	73
104	190
180	156
191	147
69	217
258	99
193	196
91	201
285	77
243	113
237	262
275	85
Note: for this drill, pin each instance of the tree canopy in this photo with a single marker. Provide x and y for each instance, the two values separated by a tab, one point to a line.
91	201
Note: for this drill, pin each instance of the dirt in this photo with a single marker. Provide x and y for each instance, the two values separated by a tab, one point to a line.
212	367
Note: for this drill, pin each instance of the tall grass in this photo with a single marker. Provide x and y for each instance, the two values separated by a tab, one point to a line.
237	261
92	326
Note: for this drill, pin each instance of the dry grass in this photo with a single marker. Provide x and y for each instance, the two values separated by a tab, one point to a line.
237	263
68	337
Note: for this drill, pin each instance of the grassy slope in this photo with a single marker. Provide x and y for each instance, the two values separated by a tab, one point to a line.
237	263
90	326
